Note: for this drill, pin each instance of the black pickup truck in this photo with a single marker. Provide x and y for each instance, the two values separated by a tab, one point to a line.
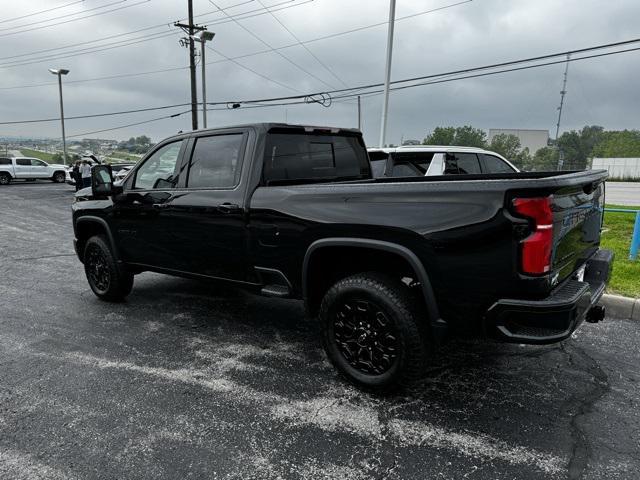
389	266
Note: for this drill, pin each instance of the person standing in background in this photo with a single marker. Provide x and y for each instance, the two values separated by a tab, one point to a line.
85	172
75	174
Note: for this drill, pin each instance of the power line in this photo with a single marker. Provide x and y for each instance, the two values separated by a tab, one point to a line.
347	93
46	20
95	115
59	7
128	125
265	43
75	19
123	75
104	47
295	37
254	71
86	51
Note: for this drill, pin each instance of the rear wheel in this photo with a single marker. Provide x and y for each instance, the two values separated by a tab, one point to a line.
106	278
371	334
58	177
5	179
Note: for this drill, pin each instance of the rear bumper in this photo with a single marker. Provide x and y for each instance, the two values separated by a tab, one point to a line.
556	317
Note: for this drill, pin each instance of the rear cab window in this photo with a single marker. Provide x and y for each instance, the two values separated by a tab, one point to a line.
5	161
298	156
216	161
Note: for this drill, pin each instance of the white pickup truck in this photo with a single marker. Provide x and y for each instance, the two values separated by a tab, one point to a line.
30	169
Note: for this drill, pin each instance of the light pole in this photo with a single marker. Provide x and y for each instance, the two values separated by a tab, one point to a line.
59	72
387	77
203	37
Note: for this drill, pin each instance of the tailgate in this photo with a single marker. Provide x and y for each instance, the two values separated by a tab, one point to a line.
577	220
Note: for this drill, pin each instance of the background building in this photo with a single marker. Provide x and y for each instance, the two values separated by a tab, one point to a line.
623	168
531	139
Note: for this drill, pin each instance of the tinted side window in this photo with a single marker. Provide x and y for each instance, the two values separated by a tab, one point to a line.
300	156
5	161
377	167
461	164
215	162
419	160
405	170
159	170
494	164
37	163
24	162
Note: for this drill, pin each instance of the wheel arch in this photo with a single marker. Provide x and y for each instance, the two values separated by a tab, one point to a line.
395	250
88	226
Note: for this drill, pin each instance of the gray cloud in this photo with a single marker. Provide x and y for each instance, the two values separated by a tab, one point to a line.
602	91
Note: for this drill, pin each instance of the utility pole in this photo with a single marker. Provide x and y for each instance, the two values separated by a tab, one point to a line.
563	92
203	37
190	29
387	78
359	114
59	72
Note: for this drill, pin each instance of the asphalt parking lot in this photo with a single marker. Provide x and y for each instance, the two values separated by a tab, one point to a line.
193	380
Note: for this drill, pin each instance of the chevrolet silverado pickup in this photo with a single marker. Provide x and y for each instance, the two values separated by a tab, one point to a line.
389	267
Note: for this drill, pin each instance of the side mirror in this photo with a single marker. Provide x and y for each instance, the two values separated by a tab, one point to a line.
101	181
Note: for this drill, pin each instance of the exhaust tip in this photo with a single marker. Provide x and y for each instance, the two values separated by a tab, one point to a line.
596	314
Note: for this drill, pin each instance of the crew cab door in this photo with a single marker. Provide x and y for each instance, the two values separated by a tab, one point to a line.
39	169
22	168
208	216
141	214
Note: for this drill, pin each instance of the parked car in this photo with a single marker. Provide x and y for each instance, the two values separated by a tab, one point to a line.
427	160
121	171
389	266
29	169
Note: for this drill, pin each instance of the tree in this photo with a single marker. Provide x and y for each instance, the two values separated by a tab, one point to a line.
546	158
509	147
625	143
441	136
466	136
577	147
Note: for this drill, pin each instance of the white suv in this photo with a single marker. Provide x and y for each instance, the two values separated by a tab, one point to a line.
30	169
427	160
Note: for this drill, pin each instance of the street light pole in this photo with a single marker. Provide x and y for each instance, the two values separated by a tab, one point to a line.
203	37
59	72
387	79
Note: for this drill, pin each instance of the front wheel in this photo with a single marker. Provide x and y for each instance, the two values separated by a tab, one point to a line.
59	177
106	278
371	334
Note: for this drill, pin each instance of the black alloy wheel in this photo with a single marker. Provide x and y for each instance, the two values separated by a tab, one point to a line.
366	336
97	268
374	333
108	280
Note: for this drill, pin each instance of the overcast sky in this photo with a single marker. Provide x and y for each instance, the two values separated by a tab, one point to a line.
601	91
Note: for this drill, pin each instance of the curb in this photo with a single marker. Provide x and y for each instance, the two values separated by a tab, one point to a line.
624	308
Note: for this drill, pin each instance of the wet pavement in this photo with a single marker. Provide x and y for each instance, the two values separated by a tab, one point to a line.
195	380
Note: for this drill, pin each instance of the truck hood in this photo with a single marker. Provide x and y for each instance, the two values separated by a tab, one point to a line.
59	165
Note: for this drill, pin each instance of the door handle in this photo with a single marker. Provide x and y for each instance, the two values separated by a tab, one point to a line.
229	208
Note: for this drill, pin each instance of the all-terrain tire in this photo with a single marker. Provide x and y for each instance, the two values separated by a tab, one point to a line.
394	304
106	278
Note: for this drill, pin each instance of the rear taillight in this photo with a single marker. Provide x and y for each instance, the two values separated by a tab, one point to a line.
536	249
